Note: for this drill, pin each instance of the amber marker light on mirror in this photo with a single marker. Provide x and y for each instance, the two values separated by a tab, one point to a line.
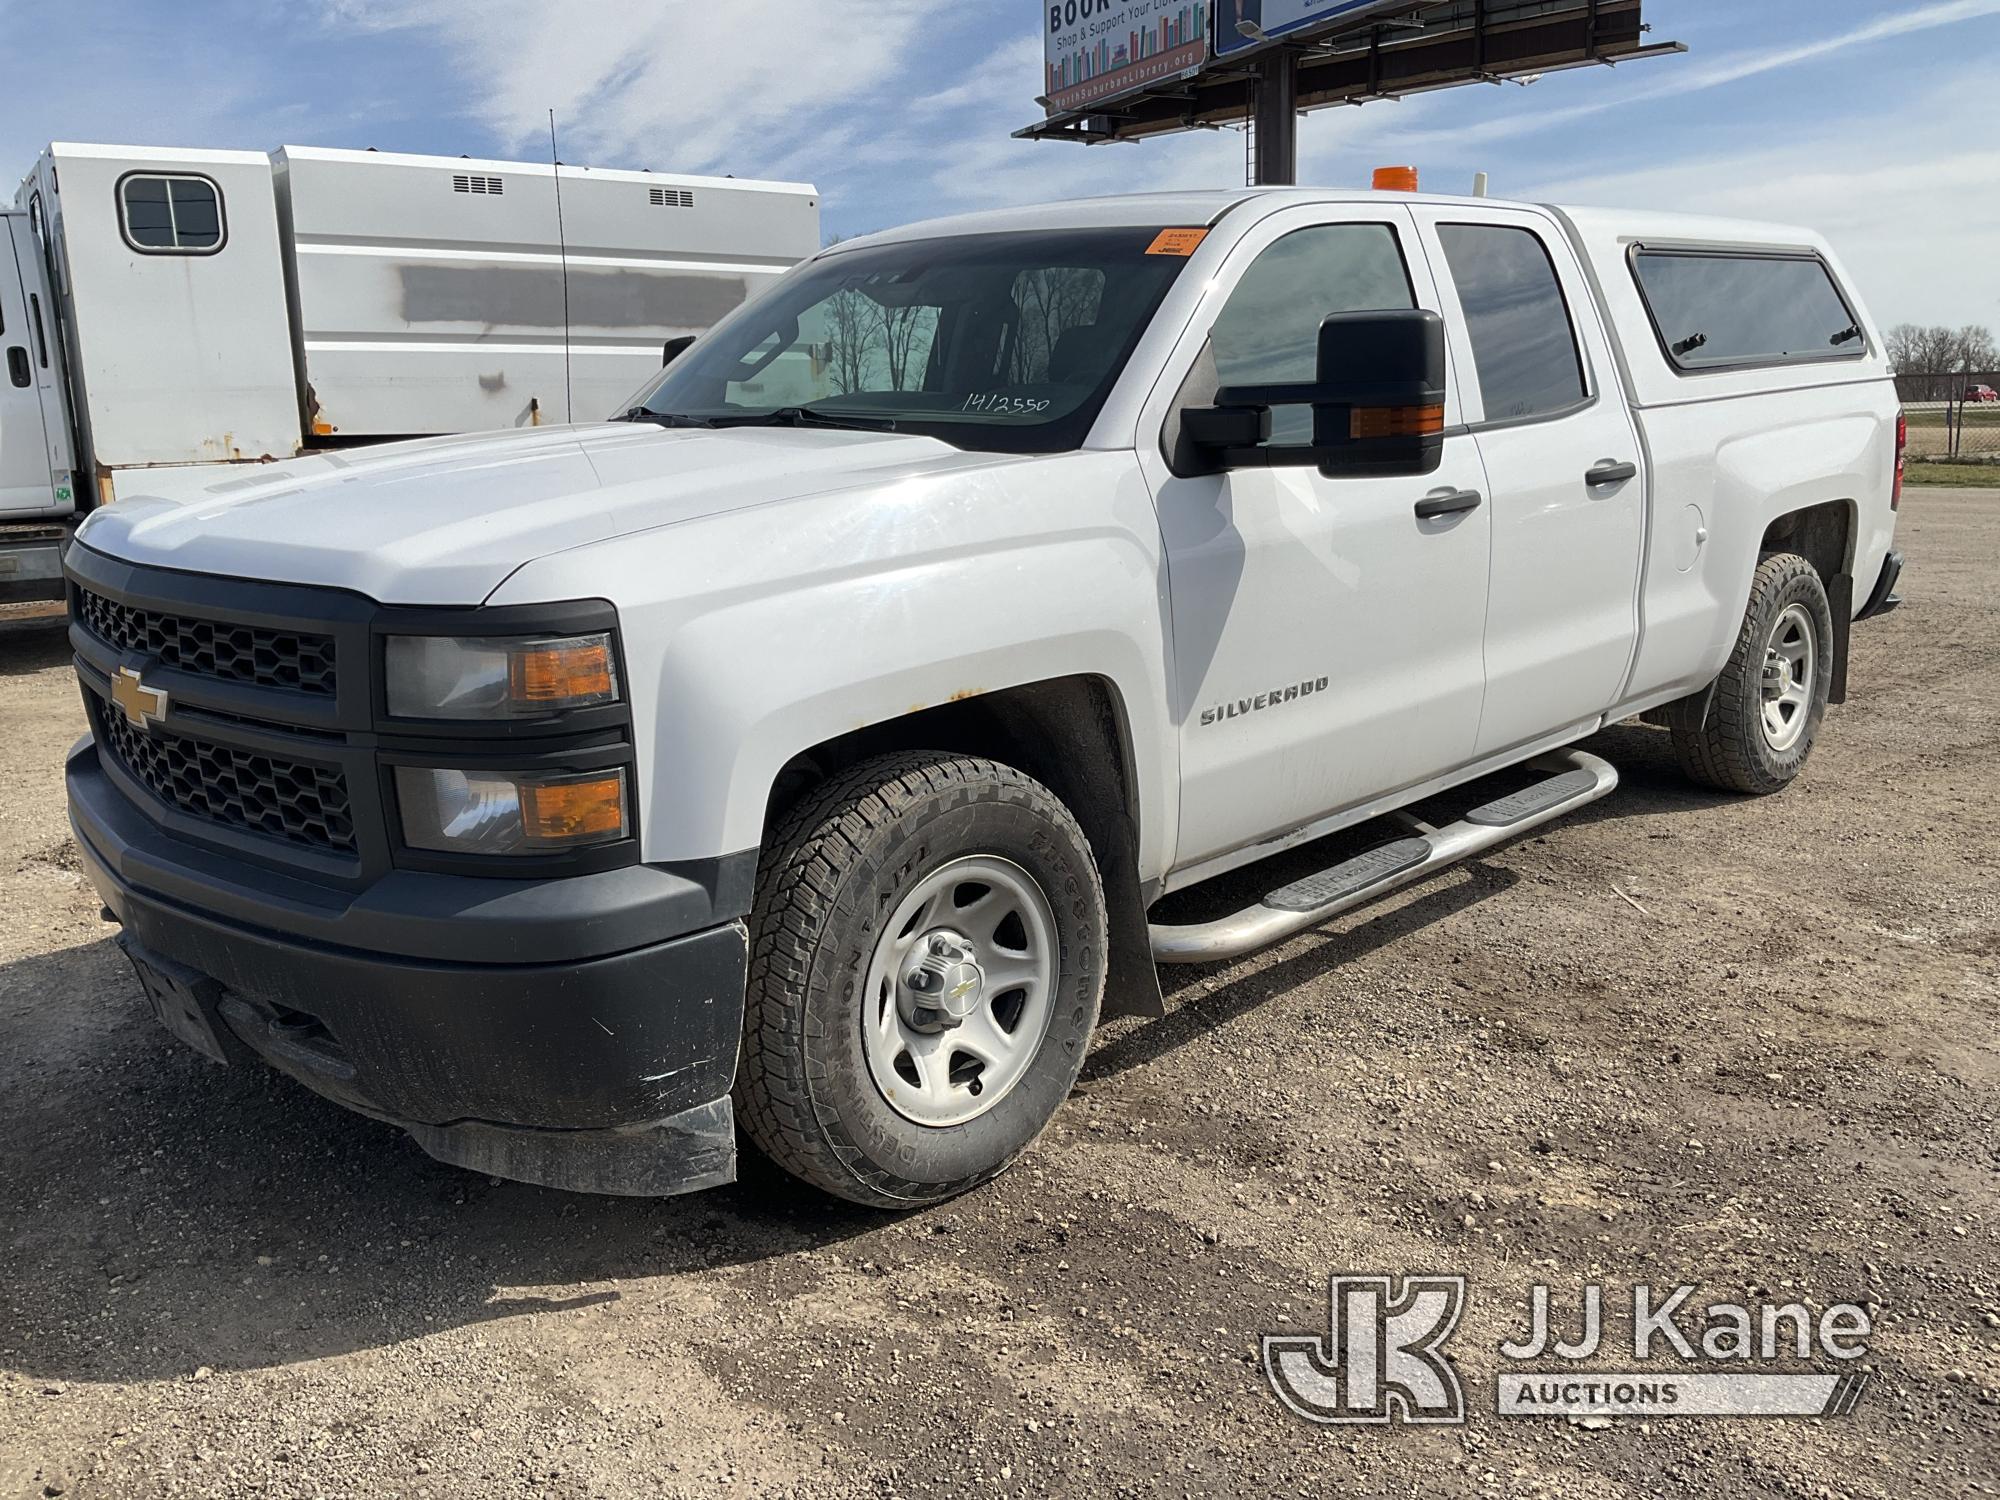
1395	421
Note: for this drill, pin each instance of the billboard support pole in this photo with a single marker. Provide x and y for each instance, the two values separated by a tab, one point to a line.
1277	120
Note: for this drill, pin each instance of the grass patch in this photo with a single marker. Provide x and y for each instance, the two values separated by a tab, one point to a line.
1986	414
1954	476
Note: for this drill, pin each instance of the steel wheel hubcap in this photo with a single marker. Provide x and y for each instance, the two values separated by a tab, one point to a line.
1791	661
959	991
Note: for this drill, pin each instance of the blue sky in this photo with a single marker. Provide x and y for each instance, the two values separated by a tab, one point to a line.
1873	122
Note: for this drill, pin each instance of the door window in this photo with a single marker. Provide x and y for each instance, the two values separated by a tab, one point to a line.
1268	331
1523	345
170	215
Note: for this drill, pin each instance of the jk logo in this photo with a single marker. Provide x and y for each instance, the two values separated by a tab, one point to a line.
1379	1362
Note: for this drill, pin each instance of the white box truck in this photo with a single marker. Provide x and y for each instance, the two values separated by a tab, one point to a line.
165	310
818	765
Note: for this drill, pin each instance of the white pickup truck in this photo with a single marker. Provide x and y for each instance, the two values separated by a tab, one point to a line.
814	763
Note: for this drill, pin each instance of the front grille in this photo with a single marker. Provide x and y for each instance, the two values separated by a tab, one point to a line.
213	648
291	800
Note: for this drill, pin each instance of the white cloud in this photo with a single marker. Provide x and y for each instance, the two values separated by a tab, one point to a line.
673	84
133	72
850	94
1685	79
1904	194
903	109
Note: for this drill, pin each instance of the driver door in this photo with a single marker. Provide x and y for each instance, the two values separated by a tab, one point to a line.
1326	639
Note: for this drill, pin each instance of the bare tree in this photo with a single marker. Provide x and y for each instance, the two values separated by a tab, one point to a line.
851	324
1935	361
1975	352
1906	349
900	327
1053	301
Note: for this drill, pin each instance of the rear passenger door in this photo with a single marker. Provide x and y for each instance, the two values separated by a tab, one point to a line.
1565	481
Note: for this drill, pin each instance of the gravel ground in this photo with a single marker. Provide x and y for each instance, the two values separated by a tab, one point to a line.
1678	1037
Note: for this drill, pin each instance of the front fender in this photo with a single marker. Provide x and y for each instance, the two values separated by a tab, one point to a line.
751	637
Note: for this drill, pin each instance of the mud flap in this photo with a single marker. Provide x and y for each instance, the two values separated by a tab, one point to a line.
1840	597
1131	982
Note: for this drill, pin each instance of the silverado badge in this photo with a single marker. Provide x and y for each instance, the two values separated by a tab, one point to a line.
144	706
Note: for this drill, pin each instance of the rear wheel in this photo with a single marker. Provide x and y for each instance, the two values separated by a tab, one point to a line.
1771	698
927	957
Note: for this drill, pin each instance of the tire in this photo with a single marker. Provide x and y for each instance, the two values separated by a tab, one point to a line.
834	1102
1789	627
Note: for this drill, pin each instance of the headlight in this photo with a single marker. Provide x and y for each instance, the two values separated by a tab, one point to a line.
453	677
500	812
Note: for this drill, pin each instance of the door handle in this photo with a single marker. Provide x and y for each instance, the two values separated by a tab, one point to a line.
41	338
1610	472
1448	503
17	365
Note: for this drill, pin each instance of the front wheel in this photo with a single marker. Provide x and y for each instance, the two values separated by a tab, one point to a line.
927	957
1771	698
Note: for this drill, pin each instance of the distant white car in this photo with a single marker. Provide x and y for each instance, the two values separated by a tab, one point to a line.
572	796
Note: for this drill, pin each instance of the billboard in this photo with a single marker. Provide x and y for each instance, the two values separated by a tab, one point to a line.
1126	70
1278	17
1099	49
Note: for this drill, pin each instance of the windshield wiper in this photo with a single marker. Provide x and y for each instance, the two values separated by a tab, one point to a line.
784	416
805	416
665	418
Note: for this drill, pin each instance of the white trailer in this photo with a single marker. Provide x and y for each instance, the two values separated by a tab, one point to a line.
436	295
164	310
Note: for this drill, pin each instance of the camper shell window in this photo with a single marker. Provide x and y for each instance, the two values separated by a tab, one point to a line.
170	213
1739	309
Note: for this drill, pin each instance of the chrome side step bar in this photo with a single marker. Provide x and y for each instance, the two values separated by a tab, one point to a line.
1575	778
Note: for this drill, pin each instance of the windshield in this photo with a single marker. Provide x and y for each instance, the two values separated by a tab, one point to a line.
1003	342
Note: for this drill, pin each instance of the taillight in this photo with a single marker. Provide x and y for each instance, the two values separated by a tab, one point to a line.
1902	443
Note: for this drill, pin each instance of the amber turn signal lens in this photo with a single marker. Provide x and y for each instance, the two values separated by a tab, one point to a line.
563	673
1395	421
568	812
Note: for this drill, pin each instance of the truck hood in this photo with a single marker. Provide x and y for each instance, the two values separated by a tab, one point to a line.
444	521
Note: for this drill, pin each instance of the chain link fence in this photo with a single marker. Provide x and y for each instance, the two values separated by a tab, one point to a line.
1954	419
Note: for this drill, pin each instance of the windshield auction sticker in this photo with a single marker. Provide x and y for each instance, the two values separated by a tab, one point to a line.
1382	1359
1181	242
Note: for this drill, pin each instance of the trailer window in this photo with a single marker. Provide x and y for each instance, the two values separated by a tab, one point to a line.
170	215
1715	310
1522	343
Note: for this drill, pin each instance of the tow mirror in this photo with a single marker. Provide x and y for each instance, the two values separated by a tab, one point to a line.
673	349
1221	428
1377	403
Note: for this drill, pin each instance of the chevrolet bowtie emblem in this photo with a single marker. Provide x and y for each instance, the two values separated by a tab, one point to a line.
143	705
